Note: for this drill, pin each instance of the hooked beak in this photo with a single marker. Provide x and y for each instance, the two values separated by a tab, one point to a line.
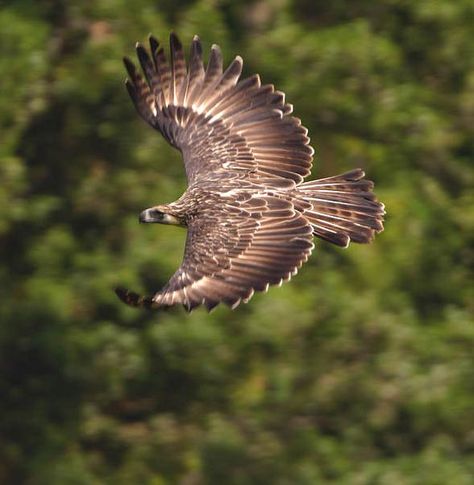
154	215
150	215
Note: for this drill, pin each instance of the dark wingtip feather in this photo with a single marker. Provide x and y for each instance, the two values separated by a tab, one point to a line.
214	65
197	45
128	297
143	56
131	90
235	67
175	43
138	45
130	67
216	52
132	299
154	44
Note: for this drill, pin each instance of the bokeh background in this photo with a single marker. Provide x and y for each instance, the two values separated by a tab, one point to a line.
360	371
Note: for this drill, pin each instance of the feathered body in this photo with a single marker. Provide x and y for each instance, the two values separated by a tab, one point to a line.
249	215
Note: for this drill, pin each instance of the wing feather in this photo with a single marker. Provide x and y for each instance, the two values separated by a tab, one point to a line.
223	126
196	74
234	251
178	70
163	72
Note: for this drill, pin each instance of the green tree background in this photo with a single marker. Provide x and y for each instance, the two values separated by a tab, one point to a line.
360	371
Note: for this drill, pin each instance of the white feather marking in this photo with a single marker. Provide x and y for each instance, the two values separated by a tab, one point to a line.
186	298
337	218
318	199
236	304
252	292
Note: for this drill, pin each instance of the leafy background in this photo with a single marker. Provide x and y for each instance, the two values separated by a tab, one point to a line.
359	371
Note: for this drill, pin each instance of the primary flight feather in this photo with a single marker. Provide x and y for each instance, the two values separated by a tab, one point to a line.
250	217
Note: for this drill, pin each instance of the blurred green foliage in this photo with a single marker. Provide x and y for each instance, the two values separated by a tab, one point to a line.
360	371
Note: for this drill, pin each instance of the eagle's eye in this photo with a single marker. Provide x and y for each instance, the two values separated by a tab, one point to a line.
156	214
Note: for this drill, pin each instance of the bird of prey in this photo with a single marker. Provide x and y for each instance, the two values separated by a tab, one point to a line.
249	215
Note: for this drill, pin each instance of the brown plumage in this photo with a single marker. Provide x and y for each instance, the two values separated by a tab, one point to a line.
249	215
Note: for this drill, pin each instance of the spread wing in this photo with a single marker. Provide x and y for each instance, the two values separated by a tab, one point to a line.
223	127
233	251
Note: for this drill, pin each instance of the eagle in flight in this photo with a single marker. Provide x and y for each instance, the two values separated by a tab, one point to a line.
250	217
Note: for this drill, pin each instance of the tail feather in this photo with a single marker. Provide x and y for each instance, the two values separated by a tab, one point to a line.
342	208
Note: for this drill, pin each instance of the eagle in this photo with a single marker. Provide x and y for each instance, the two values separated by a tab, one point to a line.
249	214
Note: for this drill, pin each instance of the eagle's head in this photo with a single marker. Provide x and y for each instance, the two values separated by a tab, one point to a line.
160	214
